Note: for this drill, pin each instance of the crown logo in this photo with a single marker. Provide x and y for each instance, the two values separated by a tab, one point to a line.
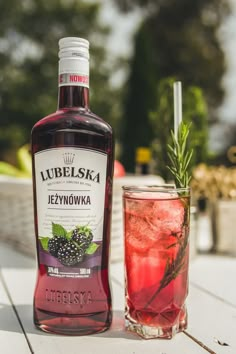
68	158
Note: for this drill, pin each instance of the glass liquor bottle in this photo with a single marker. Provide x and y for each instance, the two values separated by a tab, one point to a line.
72	152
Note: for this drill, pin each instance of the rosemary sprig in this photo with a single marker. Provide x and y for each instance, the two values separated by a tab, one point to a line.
179	156
173	266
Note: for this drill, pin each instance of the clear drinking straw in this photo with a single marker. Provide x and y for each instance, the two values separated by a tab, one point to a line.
177	107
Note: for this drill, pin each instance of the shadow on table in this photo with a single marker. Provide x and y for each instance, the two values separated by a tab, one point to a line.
9	318
12	258
117	329
24	321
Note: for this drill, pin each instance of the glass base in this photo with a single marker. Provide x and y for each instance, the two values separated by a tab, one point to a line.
150	332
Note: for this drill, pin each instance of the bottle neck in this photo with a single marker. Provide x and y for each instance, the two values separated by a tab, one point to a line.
73	96
73	70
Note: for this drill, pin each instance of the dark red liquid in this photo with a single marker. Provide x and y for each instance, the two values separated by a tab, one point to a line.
156	264
70	305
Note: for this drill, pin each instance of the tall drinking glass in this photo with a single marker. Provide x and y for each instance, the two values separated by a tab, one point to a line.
156	229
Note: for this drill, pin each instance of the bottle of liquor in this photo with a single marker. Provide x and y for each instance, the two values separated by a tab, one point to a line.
72	153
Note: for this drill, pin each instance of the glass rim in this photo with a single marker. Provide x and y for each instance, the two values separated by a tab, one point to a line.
163	188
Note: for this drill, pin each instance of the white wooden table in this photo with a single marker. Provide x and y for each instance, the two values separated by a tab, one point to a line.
211	306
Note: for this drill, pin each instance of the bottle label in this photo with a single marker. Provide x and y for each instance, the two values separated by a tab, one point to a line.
70	195
70	79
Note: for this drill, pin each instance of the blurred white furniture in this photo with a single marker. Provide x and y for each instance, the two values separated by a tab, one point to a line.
16	213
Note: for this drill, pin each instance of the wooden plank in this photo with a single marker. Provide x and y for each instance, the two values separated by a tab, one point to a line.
215	274
12	338
211	320
116	340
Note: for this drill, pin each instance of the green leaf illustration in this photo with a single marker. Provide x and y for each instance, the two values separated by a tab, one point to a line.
44	242
92	248
58	230
69	234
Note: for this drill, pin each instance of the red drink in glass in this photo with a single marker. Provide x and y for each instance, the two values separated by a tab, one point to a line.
156	225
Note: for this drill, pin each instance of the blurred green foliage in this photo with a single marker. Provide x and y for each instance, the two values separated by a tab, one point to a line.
138	100
162	121
184	44
29	34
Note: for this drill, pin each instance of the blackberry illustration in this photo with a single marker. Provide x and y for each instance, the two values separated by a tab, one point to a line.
70	254
55	243
82	236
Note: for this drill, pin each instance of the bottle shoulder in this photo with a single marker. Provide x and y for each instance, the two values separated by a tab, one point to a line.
73	119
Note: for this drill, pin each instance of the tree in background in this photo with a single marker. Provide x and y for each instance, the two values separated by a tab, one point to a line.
29	35
162	121
185	45
140	97
195	111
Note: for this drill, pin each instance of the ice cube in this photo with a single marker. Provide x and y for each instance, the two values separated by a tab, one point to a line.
148	221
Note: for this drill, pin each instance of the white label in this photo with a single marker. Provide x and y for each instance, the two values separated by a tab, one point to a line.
70	189
74	72
71	79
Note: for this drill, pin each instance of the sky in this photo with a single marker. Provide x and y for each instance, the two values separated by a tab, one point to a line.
120	42
123	27
228	38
